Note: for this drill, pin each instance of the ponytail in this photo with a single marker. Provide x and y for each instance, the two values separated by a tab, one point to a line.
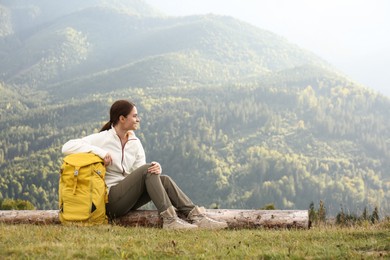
106	126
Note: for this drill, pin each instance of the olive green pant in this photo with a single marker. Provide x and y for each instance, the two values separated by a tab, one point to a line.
140	187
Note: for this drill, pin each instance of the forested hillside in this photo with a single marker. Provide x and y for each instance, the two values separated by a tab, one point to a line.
239	116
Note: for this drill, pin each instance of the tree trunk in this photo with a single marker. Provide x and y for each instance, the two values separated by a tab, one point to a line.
236	218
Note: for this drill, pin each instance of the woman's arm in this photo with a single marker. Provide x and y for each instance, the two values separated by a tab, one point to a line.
88	144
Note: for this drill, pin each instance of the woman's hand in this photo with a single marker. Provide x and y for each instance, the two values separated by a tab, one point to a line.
155	168
107	159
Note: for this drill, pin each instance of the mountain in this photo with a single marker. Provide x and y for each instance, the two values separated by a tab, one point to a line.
98	41
239	116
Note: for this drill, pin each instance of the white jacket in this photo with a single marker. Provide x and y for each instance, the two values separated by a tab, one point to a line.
124	160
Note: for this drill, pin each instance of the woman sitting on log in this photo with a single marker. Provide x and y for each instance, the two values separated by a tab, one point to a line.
131	181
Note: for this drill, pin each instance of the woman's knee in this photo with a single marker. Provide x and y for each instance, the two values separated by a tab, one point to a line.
144	168
150	174
165	179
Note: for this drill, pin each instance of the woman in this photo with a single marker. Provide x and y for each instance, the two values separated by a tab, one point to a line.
131	182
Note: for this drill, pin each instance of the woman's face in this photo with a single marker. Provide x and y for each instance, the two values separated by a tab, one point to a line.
132	120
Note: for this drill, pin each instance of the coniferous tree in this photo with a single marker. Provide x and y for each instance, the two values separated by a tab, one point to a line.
341	218
375	216
312	213
322	212
365	215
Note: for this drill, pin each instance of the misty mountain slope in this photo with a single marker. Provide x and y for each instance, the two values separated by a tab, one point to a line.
219	55
109	39
27	14
49	38
63	49
156	71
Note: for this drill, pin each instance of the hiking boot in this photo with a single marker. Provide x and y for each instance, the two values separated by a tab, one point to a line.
172	221
197	216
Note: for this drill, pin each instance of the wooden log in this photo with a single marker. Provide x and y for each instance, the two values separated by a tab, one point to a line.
29	217
236	218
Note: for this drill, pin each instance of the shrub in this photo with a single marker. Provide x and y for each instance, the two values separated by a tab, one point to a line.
10	204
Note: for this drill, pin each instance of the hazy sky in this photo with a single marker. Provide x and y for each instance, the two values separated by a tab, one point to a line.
353	35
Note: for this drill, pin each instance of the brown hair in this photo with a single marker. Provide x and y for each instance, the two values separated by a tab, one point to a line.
118	108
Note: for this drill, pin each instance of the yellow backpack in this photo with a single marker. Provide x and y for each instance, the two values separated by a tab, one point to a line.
82	190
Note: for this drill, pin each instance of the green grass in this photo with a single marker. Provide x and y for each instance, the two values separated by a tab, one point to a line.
116	242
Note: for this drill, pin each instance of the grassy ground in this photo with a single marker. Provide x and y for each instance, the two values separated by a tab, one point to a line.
116	242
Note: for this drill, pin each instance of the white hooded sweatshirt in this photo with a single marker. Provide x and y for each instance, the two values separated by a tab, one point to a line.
124	159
